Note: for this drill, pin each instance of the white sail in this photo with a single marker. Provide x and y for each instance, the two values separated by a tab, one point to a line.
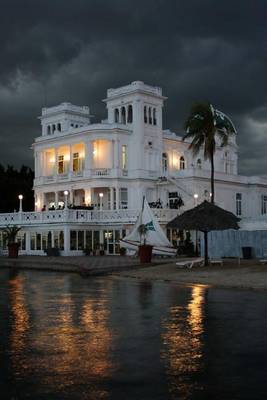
154	236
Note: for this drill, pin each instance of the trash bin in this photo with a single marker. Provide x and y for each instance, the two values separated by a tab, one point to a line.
247	252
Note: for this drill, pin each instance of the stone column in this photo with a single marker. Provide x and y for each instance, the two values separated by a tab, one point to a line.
71	162
111	198
66	241
88	155
117	198
56	199
71	196
88	196
56	161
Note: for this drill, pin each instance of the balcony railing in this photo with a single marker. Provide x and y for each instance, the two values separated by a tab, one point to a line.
94	216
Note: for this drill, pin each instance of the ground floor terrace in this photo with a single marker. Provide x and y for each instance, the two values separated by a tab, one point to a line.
73	232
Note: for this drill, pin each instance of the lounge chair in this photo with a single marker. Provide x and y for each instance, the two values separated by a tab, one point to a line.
214	261
190	263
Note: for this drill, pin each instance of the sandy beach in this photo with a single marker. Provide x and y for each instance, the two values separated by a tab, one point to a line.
250	274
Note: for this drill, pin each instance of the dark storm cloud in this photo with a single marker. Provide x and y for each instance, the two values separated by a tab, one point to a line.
55	50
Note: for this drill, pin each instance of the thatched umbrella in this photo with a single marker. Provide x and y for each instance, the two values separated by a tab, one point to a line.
205	218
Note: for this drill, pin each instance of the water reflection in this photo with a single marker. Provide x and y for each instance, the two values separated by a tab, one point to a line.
183	344
67	346
19	316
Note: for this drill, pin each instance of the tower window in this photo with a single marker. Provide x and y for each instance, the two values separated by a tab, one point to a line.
130	114
116	115
154	117
59	127
149	116
49	130
123	115
53	128
145	115
199	163
182	163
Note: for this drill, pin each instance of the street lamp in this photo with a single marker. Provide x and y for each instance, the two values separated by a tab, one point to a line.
195	198
101	200
66	198
20	202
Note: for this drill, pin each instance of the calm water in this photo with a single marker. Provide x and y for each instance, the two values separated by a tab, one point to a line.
65	337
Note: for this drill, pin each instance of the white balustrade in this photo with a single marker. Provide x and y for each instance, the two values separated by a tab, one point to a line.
69	215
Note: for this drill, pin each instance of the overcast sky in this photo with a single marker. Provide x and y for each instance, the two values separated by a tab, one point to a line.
65	50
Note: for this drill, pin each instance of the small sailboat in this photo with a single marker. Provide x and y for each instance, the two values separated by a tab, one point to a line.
154	236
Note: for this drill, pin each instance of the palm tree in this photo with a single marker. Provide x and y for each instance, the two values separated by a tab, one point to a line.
203	125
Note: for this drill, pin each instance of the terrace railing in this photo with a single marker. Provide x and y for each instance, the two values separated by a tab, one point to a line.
94	216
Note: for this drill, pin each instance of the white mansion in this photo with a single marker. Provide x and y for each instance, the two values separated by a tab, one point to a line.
90	178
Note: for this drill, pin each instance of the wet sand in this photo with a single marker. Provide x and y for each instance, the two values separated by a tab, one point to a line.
250	274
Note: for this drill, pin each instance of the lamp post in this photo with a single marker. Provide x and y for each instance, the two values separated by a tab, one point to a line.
66	198
20	202
196	243
101	201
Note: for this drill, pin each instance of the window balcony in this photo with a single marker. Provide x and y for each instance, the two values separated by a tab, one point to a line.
98	172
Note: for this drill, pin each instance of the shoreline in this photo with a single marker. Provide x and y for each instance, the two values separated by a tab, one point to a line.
249	274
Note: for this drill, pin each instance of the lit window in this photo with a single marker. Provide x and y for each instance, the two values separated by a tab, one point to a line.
61	164
124	156
75	163
238	204
164	162
263	204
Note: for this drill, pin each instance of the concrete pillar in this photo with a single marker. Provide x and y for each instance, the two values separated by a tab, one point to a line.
66	241
71	196
56	161
71	161
56	199
111	198
88	196
88	155
28	242
117	198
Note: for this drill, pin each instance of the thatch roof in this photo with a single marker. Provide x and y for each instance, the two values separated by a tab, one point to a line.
205	217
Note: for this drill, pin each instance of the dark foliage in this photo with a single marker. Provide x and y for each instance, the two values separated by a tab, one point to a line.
12	183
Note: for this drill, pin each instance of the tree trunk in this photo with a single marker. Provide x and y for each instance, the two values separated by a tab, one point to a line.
206	248
212	179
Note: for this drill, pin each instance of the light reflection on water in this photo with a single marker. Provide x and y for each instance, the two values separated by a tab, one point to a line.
64	337
183	344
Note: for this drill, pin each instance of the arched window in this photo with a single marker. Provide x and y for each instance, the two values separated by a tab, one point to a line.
53	128
199	163
123	115
145	115
154	117
164	162
116	115
130	114
149	116
49	130
59	127
182	163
